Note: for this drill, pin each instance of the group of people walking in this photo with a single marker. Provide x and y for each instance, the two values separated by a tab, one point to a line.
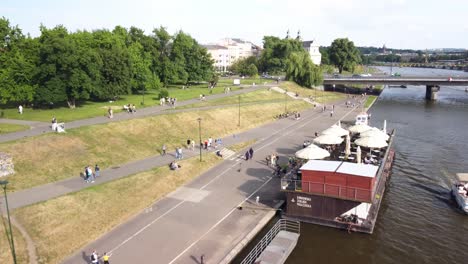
95	258
249	154
89	175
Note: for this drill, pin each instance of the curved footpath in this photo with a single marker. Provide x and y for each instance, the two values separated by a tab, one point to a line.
202	217
39	128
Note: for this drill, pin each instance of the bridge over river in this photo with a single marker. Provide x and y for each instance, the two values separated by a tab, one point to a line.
432	83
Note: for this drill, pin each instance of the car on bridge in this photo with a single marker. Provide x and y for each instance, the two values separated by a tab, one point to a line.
356	76
396	74
366	75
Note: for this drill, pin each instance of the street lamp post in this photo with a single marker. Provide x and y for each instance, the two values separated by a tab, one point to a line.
239	110
199	135
10	236
286	101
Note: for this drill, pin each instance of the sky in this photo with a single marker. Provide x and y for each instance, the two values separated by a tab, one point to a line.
413	24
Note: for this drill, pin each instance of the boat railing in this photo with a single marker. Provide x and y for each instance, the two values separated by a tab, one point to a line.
282	225
327	189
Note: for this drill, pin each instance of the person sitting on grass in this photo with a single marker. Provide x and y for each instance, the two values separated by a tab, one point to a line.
174	166
218	153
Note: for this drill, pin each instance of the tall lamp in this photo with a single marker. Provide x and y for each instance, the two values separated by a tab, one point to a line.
10	232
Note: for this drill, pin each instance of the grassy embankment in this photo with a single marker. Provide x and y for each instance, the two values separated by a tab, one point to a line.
319	96
57	226
369	101
53	157
92	109
20	245
9	128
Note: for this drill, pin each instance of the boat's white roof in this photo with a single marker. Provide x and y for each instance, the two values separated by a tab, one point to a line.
365	170
321	165
462	177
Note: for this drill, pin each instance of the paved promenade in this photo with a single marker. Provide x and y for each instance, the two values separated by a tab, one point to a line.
38	128
202	217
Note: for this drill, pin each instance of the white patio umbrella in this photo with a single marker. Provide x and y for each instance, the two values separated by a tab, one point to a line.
328	140
335	131
375	132
371	142
384	129
348	146
358	154
359	128
312	152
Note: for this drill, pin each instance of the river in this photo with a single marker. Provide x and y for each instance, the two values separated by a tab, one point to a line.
418	220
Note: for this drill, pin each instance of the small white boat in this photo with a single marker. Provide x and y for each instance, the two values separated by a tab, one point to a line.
460	190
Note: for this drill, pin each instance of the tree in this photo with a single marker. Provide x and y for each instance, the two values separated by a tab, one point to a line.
344	55
163	65
301	69
275	53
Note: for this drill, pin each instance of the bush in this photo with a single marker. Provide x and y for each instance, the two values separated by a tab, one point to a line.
163	93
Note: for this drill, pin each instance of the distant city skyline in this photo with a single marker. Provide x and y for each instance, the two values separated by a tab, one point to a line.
399	24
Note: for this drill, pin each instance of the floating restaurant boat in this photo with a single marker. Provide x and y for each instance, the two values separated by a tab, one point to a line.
459	191
341	191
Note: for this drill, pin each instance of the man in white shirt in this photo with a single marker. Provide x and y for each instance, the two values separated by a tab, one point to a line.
20	109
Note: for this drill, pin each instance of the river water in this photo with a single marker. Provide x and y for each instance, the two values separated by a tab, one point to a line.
418	220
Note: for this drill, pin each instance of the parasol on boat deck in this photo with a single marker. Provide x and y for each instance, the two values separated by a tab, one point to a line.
375	132
336	131
359	128
328	140
371	142
312	152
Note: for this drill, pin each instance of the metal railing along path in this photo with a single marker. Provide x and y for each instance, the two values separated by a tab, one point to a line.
281	225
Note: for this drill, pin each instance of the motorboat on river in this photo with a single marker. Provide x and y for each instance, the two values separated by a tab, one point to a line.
460	191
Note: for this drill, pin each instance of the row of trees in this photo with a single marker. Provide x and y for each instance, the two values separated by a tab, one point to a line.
63	67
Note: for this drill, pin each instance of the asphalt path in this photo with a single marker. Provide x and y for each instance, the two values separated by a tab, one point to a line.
39	128
202	217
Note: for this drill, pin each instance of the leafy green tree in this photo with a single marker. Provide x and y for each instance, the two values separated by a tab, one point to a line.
301	69
275	53
140	63
115	72
67	69
243	66
344	55
163	65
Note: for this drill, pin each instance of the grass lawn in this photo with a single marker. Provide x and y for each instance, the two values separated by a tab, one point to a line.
92	109
258	96
20	245
8	128
370	100
57	228
320	96
52	157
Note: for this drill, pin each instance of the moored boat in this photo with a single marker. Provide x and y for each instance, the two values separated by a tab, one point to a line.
460	190
342	191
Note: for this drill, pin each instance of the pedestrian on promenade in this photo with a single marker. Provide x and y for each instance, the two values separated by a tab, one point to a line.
105	258
94	257
331	113
110	113
206	144
20	109
180	153
163	150
90	174
247	155
251	152
193	144
177	153
97	170
188	143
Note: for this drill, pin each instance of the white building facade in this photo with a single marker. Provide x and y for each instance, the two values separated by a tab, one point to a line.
228	50
312	47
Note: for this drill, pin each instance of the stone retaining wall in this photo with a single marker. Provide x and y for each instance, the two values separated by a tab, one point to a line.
6	165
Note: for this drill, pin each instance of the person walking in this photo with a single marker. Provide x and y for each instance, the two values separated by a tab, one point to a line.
97	170
94	257
247	155
20	109
110	113
163	150
331	113
177	153
105	258
193	144
188	143
251	152
90	174
180	153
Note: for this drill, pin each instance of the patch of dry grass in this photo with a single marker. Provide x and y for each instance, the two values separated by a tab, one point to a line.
52	157
20	246
65	224
320	96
